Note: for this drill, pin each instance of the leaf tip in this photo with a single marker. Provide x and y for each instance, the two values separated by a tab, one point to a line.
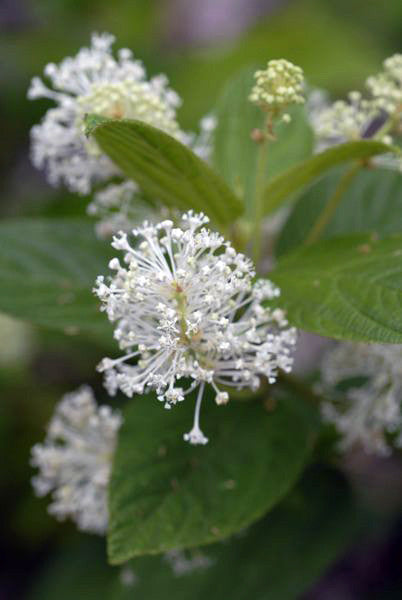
91	122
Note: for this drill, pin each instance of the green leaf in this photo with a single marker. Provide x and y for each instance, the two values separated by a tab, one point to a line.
48	269
167	494
294	142
164	168
280	557
304	173
235	153
347	288
373	203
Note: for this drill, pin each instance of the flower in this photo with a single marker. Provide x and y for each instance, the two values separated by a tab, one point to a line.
278	86
379	117
355	119
343	121
386	87
370	407
95	82
119	207
185	307
75	460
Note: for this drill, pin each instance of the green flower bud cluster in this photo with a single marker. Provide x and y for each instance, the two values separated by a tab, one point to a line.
277	87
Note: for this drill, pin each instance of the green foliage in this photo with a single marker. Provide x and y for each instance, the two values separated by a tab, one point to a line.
235	155
165	494
164	168
48	268
299	538
347	288
373	203
294	142
293	180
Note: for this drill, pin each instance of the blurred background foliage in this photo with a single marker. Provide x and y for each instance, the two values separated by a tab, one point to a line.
199	45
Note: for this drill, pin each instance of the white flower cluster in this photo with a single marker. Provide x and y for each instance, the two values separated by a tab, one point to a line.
75	460
120	207
368	411
95	82
377	117
344	121
386	87
185	307
278	86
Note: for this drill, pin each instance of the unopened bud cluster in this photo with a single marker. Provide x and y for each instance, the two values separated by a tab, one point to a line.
277	87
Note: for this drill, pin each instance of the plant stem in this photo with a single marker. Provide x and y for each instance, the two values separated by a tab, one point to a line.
332	204
258	200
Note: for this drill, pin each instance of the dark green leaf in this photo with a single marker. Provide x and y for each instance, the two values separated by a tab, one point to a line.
167	494
347	288
281	187
373	203
235	153
48	269
277	558
164	168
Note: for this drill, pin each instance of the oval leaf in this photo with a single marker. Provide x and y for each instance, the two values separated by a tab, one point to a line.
347	288
48	269
301	538
373	203
297	177
164	168
166	494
